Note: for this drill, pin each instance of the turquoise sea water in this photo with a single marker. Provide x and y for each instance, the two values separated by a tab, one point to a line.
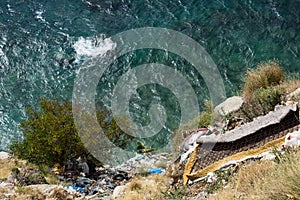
43	44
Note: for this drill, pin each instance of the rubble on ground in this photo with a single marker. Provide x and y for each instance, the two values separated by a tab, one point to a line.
143	163
104	183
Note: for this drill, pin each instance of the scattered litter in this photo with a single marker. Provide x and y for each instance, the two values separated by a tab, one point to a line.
211	177
77	189
156	171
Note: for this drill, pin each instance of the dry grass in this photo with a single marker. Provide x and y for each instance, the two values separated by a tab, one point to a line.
252	175
3	190
288	87
21	193
146	188
266	180
49	175
6	165
59	194
266	75
52	179
247	183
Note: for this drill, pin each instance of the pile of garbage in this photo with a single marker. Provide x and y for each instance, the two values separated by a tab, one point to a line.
105	179
149	163
103	182
80	179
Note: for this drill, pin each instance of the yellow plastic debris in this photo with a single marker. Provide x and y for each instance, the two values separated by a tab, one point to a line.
189	165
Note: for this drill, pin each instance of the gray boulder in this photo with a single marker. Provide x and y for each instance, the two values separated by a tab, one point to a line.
4	155
230	105
119	191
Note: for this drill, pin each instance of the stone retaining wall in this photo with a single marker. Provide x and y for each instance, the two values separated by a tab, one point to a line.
288	123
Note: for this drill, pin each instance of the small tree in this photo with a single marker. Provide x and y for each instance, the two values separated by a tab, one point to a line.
49	135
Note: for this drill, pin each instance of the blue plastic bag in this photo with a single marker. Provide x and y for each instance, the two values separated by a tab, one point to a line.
156	171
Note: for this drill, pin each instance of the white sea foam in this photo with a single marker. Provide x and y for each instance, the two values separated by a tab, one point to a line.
94	46
10	9
3	59
39	15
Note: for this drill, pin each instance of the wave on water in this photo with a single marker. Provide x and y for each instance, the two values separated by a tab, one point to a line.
93	46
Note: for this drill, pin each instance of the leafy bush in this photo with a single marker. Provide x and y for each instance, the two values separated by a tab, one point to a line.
266	75
261	91
267	99
206	116
50	135
263	101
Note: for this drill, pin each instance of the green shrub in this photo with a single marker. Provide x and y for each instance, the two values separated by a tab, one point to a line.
259	92
206	116
262	102
266	75
50	134
267	98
